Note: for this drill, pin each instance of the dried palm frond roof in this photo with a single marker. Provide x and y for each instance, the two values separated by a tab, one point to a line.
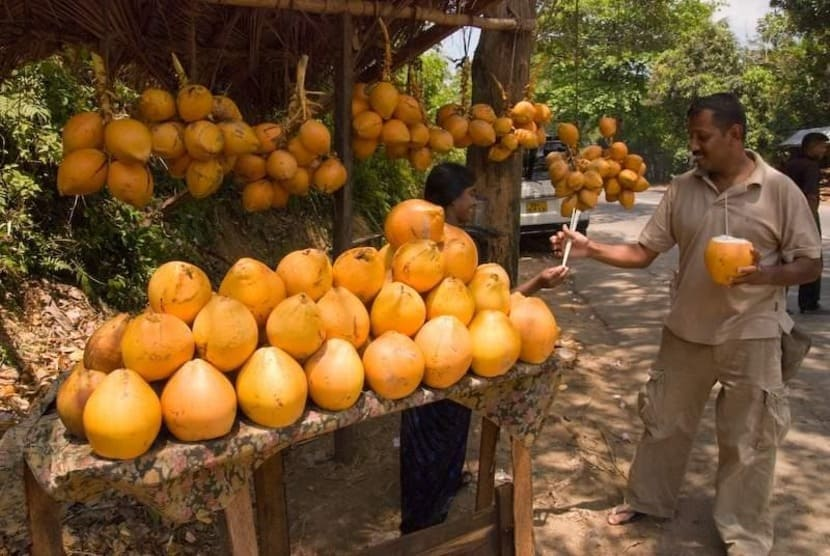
247	52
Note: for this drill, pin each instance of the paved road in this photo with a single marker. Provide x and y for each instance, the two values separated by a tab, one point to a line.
616	314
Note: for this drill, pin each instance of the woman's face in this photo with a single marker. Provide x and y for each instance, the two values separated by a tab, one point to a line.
462	210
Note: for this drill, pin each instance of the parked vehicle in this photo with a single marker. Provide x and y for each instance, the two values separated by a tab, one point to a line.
540	209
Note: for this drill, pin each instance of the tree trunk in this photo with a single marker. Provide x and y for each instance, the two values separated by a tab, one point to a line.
505	56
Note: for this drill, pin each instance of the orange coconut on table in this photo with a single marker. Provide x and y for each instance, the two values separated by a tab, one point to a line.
198	402
335	375
724	255
122	416
272	388
73	394
393	364
102	351
448	350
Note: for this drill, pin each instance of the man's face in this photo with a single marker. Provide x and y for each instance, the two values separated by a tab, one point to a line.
713	148
464	206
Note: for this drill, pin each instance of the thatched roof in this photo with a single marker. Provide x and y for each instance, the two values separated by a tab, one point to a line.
249	52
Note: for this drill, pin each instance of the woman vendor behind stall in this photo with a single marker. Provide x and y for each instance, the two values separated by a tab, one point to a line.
434	436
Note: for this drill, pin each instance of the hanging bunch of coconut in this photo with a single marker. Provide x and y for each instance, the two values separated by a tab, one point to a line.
202	137
105	148
384	116
579	175
478	125
523	125
456	118
293	156
212	132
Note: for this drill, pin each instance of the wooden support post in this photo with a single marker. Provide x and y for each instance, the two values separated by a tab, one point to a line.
502	56
272	507
486	464
239	525
43	514
345	440
522	499
504	511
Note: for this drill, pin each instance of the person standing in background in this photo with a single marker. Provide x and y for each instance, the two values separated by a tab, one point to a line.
804	170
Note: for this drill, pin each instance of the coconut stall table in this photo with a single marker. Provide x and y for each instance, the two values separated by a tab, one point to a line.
185	481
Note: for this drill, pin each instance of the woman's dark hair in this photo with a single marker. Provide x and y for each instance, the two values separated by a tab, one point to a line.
726	110
446	182
811	139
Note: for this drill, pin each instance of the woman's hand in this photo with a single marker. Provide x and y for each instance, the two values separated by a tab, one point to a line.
552	276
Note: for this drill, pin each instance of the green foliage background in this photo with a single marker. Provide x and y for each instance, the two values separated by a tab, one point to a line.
642	62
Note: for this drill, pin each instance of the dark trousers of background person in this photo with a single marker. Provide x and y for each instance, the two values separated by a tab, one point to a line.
809	294
433	449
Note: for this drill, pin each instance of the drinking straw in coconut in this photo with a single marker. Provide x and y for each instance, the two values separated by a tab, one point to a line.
726	213
574	220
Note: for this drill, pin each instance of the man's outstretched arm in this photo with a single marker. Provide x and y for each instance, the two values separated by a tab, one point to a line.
622	255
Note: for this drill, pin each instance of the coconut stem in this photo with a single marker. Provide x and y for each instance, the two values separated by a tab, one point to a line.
466	68
99	70
301	69
386	74
505	108
181	75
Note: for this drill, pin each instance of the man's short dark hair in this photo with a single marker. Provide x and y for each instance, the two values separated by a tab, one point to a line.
726	109
811	139
446	182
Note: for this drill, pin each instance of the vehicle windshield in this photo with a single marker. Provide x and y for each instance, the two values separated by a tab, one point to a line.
533	163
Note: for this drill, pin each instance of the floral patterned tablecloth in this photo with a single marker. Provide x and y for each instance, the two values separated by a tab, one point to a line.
186	481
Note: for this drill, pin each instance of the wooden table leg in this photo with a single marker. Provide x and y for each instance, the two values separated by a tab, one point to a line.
486	464
522	499
43	514
504	511
239	524
272	507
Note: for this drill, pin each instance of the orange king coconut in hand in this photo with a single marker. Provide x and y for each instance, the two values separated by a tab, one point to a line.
724	255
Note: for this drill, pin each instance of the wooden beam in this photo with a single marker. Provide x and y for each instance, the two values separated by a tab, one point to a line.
387	10
471	534
422	42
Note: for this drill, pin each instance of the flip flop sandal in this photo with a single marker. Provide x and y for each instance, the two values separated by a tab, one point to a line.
623	515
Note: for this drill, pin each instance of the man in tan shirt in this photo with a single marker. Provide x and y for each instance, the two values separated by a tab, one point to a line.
718	334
